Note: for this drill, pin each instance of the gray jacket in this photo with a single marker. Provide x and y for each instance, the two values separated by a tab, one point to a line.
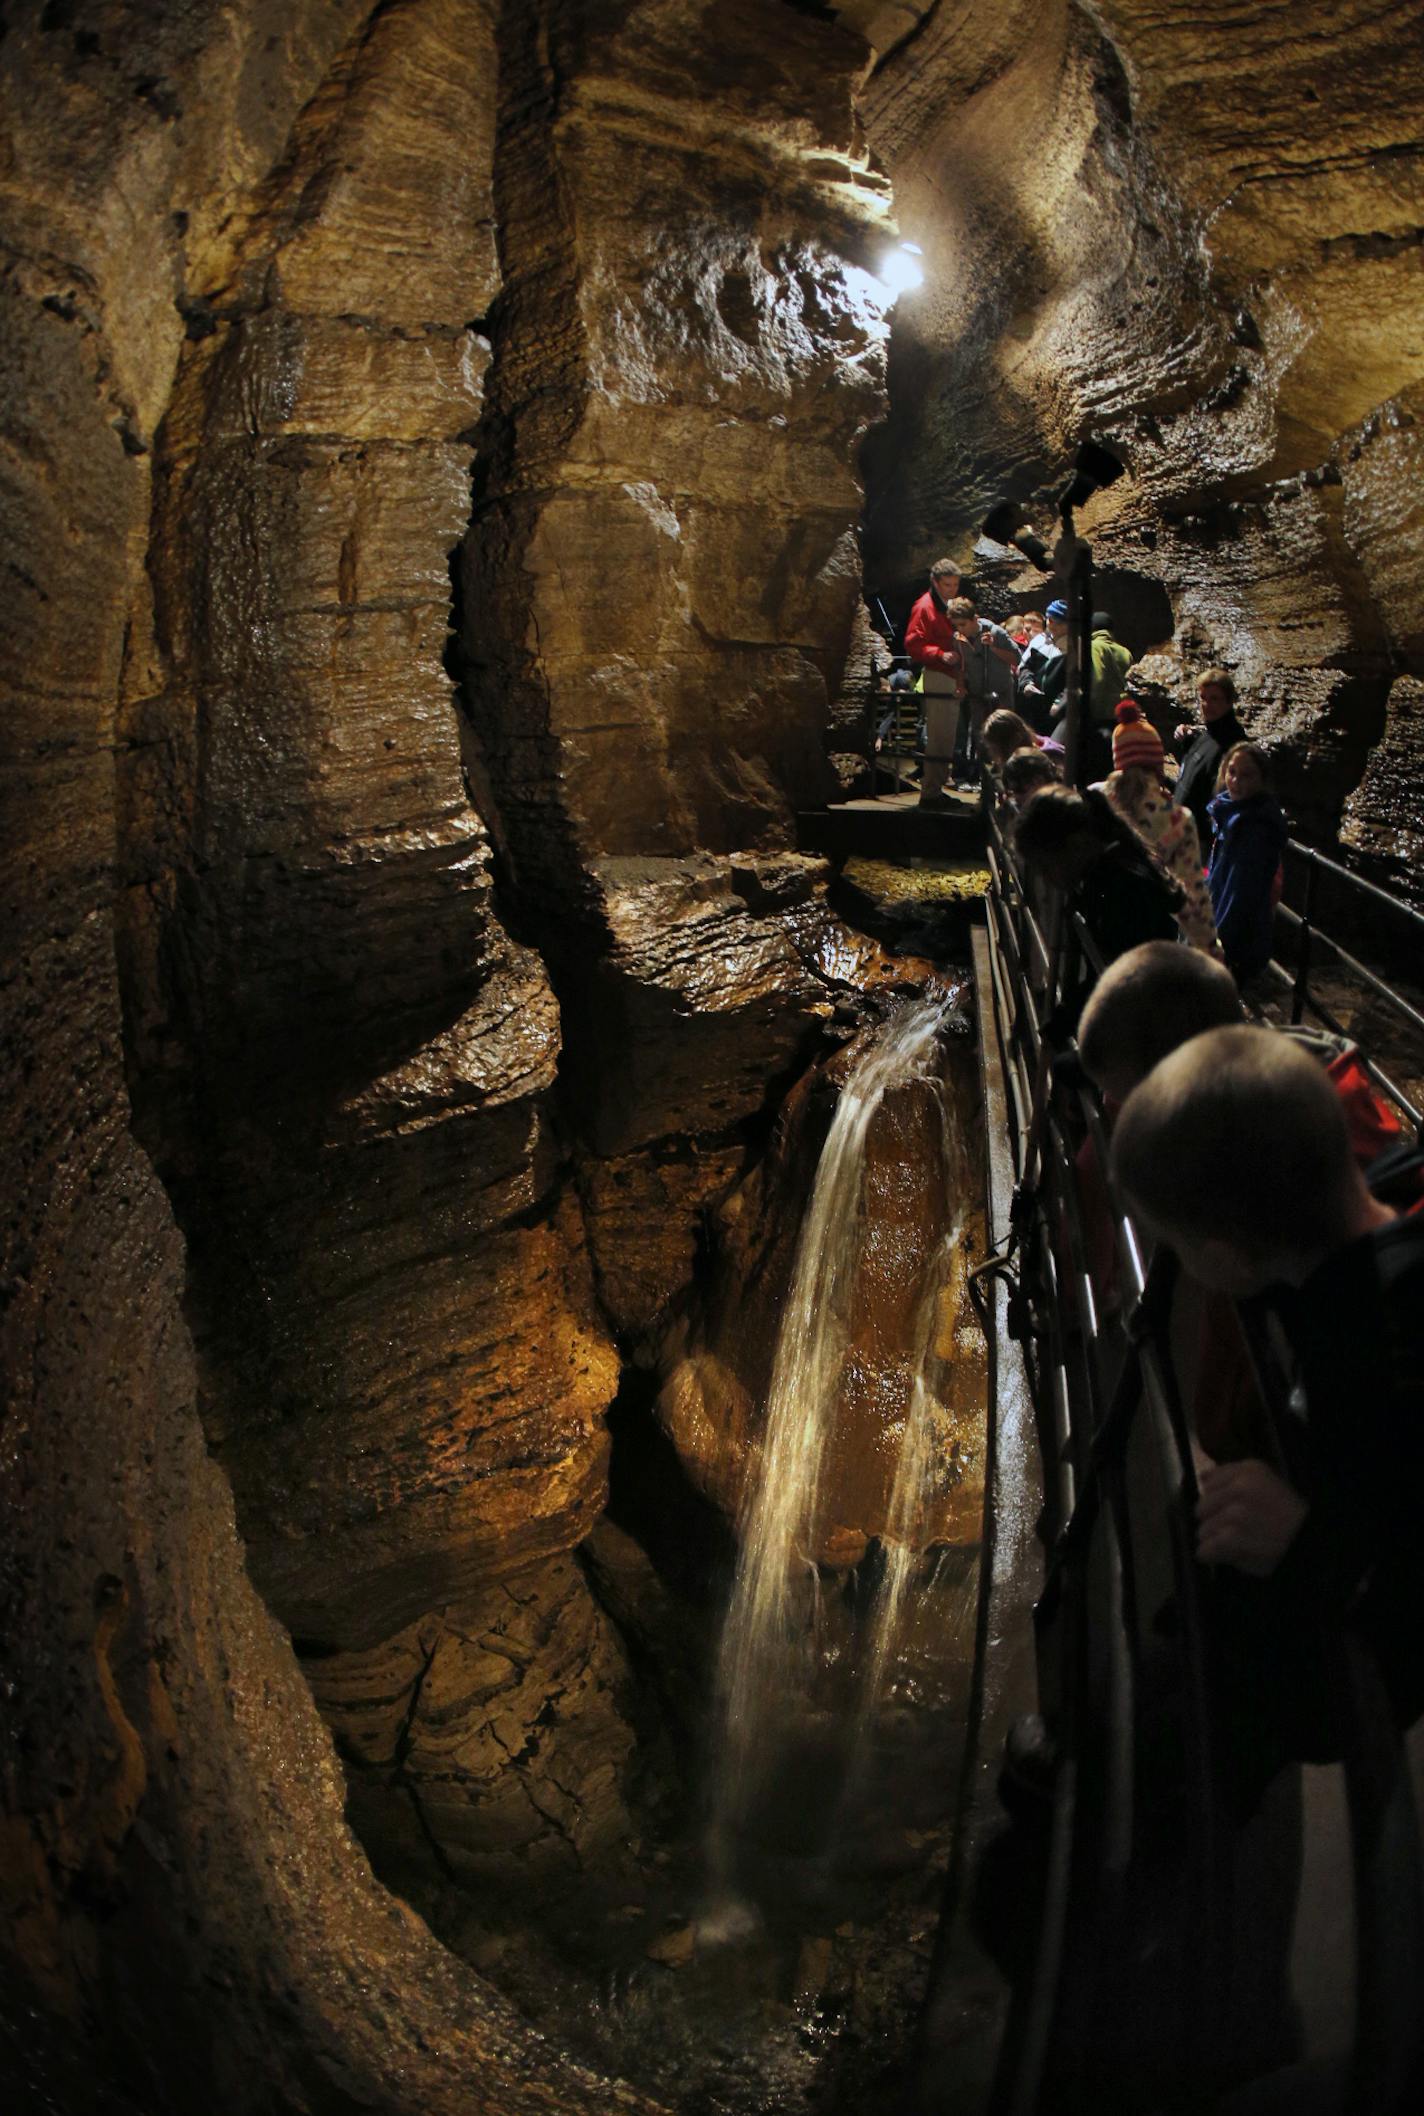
987	680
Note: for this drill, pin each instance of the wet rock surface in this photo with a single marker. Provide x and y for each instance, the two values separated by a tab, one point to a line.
920	1183
1238	306
430	491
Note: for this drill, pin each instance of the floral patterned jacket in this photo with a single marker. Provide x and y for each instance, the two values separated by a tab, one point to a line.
1171	834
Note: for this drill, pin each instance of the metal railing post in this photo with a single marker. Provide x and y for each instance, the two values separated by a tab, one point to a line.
1300	995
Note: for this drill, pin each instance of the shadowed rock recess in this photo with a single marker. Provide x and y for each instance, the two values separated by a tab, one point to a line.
431	489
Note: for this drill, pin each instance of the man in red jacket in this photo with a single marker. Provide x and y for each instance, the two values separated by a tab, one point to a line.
933	646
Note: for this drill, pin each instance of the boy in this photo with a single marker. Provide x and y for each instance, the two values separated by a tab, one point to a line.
1235	1149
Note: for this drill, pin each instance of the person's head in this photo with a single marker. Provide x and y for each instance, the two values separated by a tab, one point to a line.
1102	622
963	616
1057	614
1025	772
1146	1005
1136	744
1216	693
1003	733
901	680
1031	621
1244	771
944	578
1056	834
1234	1149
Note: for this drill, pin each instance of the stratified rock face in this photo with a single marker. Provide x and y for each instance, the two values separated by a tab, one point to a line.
1382	819
1197	240
921	1182
342	1062
187	1920
659	591
1382	467
248	321
495	1728
717	978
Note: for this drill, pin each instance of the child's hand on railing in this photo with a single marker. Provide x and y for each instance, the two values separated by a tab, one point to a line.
1247	1515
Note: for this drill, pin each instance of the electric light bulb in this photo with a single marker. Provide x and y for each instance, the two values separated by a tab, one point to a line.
899	270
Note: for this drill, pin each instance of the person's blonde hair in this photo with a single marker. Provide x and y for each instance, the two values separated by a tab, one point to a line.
1148	1003
1259	757
1238	1136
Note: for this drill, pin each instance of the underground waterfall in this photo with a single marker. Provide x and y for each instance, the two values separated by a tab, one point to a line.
757	1933
773	1643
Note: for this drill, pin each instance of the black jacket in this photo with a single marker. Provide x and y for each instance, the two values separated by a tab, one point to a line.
1196	781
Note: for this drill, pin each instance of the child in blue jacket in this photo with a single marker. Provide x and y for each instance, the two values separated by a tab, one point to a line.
1248	839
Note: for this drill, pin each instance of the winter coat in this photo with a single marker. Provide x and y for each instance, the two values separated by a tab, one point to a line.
1111	662
1172	836
1249	839
1201	761
1042	675
1125	899
931	640
988	681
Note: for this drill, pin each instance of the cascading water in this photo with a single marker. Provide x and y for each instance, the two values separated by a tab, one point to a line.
769	1642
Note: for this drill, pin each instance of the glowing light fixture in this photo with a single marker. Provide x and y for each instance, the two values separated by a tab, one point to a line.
899	270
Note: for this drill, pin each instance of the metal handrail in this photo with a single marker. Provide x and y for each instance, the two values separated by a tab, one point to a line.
1090	1430
1308	933
1356	882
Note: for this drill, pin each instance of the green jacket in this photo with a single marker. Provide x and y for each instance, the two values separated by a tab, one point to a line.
1111	663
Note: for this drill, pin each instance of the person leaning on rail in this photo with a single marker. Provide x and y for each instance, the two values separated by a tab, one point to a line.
990	662
1236	1152
1025	772
1105	871
1143	1007
1005	731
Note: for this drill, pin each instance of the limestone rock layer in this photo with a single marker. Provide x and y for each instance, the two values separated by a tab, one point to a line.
1192	235
354	982
430	476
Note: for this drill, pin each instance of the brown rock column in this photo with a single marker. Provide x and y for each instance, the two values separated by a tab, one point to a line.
343	1064
187	1922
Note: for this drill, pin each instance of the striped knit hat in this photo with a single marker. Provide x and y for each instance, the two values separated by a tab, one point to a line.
1135	740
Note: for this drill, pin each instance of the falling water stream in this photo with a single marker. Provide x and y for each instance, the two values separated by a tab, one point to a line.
777	1963
770	1641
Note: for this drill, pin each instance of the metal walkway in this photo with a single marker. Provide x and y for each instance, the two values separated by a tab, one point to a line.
1167	1944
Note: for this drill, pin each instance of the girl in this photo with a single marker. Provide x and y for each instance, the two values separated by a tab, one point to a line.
1006	731
1249	836
1138	790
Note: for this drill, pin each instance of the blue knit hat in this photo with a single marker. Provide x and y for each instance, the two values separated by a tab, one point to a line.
1057	609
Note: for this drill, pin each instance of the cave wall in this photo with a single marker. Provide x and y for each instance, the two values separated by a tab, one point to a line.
429	487
1196	239
300	1309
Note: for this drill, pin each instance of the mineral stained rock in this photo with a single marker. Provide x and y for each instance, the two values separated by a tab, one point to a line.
441	1039
495	1728
251	293
717	976
342	1062
659	591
